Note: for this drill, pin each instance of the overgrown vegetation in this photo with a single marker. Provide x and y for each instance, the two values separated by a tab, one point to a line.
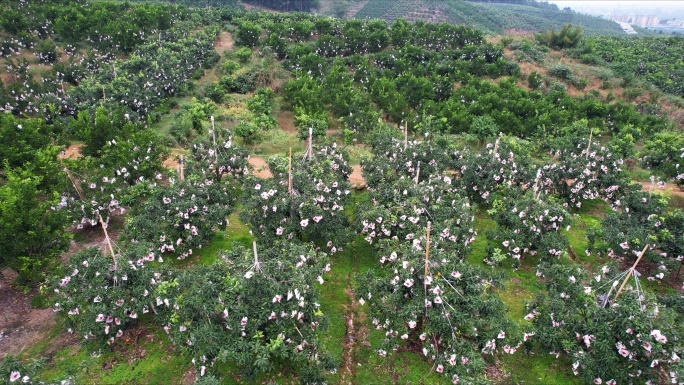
486	183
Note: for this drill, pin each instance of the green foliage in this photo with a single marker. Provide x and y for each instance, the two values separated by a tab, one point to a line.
32	224
608	339
12	369
312	210
526	51
561	71
663	153
190	120
567	37
229	67
655	60
248	131
248	34
243	54
46	51
215	92
535	80
317	123
484	127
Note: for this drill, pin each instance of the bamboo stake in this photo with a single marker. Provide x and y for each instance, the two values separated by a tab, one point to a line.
608	295
108	240
496	144
427	248
289	174
427	260
257	266
213	136
182	172
631	271
104	227
417	173
310	149
591	134
405	129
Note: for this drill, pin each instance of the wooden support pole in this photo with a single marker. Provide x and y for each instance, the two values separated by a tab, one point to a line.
182	171
289	174
213	137
427	261
257	266
603	306
405	127
629	274
108	240
496	144
427	248
417	173
310	149
591	134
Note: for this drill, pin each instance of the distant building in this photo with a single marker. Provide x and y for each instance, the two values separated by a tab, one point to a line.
640	20
675	23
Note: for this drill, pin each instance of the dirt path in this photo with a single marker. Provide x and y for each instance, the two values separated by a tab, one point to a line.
674	190
357	332
71	152
260	168
22	326
347	366
224	43
356	178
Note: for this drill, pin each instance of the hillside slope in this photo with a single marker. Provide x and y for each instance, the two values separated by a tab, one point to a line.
490	17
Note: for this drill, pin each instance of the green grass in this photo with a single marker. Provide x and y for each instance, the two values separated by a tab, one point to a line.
39	349
579	243
126	364
533	369
396	368
278	142
236	232
478	253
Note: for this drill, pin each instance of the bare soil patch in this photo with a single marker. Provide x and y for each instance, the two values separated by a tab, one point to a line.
224	43
71	152
259	167
286	121
356	178
672	188
22	326
355	8
172	161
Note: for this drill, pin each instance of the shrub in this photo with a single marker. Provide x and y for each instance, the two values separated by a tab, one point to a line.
632	93
243	54
229	67
535	80
561	71
581	83
215	92
568	37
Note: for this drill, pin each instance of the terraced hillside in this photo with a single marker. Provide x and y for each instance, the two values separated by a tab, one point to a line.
491	17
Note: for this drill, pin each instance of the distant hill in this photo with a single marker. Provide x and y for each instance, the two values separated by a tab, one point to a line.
486	15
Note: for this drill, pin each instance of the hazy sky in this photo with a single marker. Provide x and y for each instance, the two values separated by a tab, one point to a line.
662	9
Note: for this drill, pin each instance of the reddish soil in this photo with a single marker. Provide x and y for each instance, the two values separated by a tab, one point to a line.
356	178
224	43
673	189
71	152
260	168
22	326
